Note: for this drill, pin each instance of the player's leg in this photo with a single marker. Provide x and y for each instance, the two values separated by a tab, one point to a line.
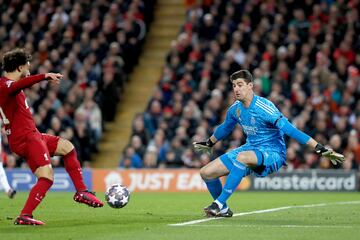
4	182
38	159
45	177
272	162
62	147
3	179
241	161
72	165
210	173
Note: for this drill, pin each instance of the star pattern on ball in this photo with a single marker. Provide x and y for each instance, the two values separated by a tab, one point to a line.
124	200
119	188
112	199
117	196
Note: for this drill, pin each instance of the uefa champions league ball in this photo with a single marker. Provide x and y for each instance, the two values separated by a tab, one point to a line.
117	196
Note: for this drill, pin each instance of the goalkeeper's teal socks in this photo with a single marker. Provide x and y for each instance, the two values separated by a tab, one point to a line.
215	187
237	172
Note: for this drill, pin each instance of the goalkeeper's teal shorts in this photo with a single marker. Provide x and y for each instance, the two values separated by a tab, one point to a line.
269	161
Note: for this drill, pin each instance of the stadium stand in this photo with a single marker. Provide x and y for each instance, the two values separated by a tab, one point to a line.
94	44
305	56
168	17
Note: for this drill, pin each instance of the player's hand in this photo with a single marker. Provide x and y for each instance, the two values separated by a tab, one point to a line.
333	156
202	147
54	77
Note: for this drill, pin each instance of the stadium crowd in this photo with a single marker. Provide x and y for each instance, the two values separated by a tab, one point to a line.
304	55
88	42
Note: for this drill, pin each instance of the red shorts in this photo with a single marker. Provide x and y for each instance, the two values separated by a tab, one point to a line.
37	149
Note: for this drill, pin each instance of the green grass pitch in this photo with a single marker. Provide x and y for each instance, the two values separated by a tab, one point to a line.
148	215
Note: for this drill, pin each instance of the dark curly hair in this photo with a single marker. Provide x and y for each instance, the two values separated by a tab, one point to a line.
14	58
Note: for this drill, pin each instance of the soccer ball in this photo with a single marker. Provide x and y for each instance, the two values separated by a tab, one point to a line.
117	196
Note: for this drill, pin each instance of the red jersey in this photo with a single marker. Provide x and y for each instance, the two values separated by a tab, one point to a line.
14	110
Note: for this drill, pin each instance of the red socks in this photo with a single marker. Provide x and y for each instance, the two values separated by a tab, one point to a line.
36	195
72	166
39	190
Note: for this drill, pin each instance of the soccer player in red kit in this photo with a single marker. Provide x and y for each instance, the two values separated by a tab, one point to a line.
26	141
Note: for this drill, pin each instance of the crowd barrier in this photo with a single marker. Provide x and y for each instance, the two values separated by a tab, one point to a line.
189	180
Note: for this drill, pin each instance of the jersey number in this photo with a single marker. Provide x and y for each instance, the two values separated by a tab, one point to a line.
4	119
26	104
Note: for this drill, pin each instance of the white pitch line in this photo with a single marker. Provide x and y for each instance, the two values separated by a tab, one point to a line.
263	211
271	226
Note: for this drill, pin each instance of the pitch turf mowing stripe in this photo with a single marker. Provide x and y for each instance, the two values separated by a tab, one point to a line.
272	226
264	211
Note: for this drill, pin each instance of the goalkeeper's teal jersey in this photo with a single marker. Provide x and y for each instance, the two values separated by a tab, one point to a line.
258	122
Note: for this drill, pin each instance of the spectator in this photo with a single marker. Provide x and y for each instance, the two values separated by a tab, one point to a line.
130	159
151	157
87	43
304	58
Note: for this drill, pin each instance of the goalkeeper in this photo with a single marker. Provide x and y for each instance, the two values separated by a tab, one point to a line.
264	151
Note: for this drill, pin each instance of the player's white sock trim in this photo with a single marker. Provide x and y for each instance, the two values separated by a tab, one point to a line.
3	179
219	204
224	210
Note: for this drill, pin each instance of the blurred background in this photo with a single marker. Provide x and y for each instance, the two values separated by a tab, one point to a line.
143	79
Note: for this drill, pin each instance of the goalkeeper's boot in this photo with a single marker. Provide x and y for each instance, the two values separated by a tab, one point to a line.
225	212
27	220
11	193
88	198
213	210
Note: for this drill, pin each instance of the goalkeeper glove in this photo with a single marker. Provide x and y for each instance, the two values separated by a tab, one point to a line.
334	157
204	147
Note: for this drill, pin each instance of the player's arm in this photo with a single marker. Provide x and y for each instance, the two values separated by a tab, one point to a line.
334	157
290	130
223	130
16	86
